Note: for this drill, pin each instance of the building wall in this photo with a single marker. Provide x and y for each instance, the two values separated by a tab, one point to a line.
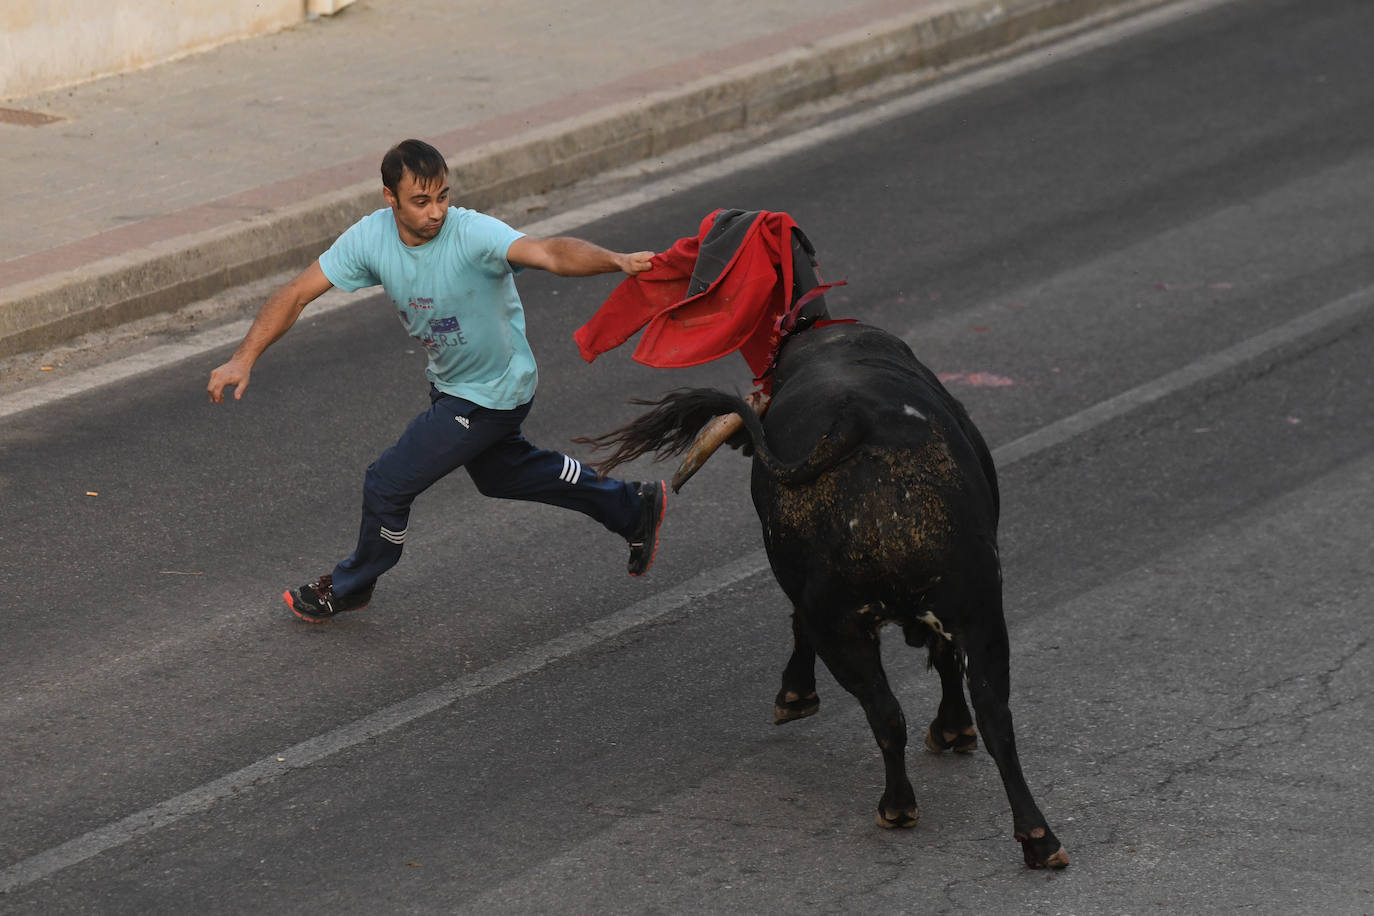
45	44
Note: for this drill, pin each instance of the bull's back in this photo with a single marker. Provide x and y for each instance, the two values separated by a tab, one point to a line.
911	493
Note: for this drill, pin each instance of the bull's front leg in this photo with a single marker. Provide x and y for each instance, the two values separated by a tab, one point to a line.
797	698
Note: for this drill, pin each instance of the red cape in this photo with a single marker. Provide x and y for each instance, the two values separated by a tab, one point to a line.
738	311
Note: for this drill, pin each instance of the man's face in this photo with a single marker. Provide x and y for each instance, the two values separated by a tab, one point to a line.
420	207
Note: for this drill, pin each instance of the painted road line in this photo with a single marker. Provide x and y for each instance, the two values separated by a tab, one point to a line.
672	604
563	223
675	601
1199	371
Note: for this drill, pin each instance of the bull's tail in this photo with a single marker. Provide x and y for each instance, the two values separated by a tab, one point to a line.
668	429
672	425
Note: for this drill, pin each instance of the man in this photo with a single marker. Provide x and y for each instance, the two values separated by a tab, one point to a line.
449	273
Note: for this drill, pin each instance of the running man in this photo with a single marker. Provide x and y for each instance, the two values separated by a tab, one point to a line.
450	275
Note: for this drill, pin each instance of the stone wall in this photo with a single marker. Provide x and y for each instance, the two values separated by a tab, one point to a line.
46	44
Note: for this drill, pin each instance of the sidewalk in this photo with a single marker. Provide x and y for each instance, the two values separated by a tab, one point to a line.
155	189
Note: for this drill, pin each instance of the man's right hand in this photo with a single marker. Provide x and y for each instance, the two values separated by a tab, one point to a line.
231	373
276	316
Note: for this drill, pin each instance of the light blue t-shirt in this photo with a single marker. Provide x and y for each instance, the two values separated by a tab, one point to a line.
455	294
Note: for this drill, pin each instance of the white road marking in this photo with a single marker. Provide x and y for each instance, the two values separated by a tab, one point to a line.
1198	371
560	224
676	601
299	756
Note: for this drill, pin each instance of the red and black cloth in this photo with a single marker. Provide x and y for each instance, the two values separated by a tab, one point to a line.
730	287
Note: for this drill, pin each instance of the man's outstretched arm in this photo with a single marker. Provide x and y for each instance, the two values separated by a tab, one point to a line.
275	318
572	257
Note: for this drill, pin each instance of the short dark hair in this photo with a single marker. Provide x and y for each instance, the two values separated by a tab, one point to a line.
416	157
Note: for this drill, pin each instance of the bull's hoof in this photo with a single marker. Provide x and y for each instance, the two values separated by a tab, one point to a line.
964	742
790	705
1041	849
891	820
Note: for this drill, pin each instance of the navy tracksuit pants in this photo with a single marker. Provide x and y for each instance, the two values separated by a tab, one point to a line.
456	433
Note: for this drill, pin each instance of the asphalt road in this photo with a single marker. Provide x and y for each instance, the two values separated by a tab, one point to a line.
1145	269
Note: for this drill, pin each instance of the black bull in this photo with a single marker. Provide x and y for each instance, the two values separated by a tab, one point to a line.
879	505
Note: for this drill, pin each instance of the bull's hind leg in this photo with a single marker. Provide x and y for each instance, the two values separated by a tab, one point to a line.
850	650
797	698
987	666
952	729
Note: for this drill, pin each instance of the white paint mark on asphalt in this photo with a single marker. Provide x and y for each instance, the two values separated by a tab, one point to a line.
1191	374
159	357
673	602
650	192
676	602
928	97
662	606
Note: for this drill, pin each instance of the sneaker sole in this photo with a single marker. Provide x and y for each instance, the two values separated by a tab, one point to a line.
309	618
663	513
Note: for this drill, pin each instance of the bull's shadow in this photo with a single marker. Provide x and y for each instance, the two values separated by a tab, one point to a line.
879	504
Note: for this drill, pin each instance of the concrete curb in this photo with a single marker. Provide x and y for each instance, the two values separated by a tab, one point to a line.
171	274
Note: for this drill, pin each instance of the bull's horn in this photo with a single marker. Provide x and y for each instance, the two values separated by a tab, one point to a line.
712	436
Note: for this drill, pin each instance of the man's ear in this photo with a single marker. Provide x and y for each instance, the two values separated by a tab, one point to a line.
388	197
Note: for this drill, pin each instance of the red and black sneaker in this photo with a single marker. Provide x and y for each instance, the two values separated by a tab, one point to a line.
644	541
316	601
